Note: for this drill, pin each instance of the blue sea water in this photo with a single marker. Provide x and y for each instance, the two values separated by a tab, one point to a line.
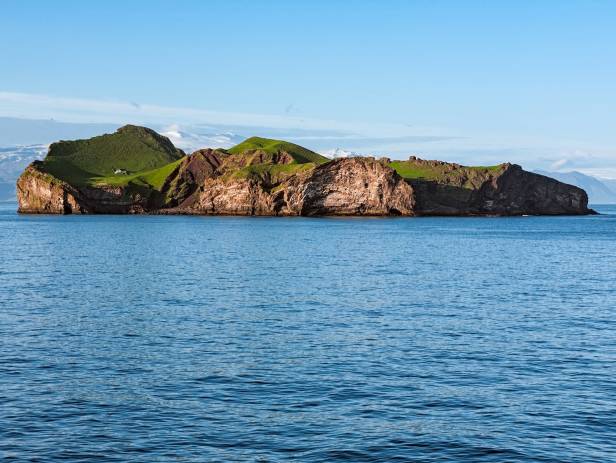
190	339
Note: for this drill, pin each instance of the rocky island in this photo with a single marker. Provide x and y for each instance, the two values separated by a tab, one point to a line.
138	171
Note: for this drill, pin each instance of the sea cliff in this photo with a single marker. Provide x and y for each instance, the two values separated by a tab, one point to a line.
137	171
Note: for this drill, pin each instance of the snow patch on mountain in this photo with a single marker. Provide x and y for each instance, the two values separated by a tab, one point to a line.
14	159
340	153
190	141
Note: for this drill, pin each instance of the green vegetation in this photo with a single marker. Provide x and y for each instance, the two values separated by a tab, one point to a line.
274	173
259	158
409	170
298	153
152	178
420	170
144	158
141	160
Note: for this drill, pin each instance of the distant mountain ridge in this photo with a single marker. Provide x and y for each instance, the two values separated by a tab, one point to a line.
599	191
340	153
13	160
610	183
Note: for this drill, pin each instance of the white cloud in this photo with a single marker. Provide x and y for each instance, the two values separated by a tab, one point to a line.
557	165
340	153
34	106
191	128
172	132
188	140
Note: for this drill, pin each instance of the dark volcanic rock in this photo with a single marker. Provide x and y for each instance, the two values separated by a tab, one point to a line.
508	190
189	176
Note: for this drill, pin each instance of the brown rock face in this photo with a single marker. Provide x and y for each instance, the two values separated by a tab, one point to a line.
352	186
356	186
233	197
41	193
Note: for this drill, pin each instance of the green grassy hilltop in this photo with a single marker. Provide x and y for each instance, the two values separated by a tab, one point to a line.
138	154
437	171
300	154
255	158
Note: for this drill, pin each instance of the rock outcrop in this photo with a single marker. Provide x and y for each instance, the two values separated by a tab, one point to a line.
137	171
220	196
351	186
180	186
358	186
39	192
506	189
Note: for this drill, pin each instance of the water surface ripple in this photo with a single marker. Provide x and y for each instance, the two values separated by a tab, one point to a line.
156	339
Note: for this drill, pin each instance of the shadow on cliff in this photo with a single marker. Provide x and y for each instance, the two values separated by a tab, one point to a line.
436	198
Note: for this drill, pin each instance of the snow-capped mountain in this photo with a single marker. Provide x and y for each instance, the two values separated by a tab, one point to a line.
191	141
13	160
340	153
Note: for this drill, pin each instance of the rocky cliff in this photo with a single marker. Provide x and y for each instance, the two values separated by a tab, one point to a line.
39	192
451	189
355	186
359	186
136	170
117	173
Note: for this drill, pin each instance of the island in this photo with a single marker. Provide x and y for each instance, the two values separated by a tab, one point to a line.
138	171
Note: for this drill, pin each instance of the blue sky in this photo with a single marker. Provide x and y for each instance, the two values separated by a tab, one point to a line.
532	82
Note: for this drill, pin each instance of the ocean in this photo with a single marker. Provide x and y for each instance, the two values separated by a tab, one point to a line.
191	339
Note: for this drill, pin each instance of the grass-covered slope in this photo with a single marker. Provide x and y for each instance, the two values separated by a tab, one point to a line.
442	172
300	154
144	157
154	178
268	161
271	173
